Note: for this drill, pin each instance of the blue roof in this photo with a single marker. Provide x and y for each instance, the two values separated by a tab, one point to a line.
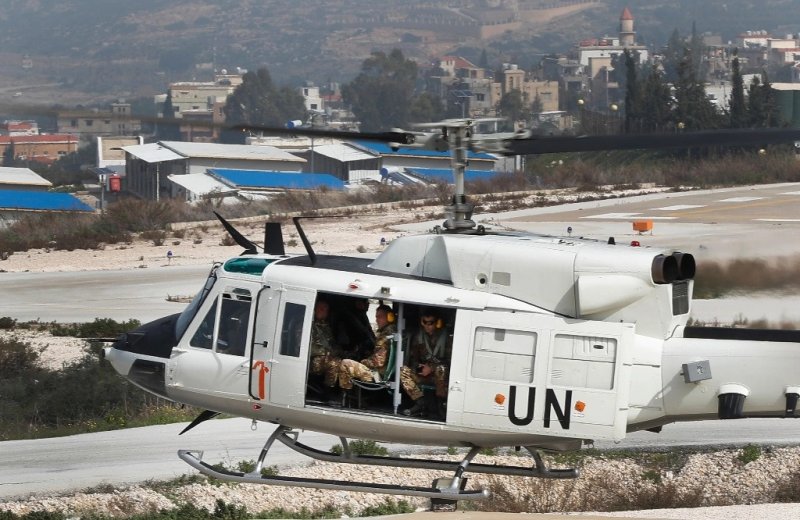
385	149
447	174
269	179
41	200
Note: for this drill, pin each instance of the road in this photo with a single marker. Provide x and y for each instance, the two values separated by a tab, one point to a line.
84	295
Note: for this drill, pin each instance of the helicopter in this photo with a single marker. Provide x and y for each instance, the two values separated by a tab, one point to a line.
554	340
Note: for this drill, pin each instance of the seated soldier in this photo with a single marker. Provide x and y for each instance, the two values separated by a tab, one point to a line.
429	356
370	368
325	355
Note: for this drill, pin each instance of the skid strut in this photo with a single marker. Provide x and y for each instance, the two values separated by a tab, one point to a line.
451	491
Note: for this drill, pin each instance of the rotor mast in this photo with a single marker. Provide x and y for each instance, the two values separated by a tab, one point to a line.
459	212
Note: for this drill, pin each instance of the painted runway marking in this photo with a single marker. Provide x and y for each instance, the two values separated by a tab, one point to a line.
627	216
679	207
776	219
791	193
741	199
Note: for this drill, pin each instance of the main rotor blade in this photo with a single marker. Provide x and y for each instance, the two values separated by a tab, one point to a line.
590	143
249	247
399	137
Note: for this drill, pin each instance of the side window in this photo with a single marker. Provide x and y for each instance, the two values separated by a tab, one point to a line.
234	321
205	332
292	329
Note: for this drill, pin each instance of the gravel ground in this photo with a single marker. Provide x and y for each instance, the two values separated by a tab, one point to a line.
718	478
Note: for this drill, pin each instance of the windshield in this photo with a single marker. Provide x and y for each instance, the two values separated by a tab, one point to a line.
188	313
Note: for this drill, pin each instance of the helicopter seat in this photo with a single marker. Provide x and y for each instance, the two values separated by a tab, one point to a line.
385	379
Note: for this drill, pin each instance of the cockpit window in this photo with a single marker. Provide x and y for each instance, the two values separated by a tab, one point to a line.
234	321
189	312
204	335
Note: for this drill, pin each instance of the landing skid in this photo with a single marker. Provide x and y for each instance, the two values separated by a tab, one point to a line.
451	489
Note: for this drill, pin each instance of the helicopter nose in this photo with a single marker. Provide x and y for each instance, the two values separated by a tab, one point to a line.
154	339
140	355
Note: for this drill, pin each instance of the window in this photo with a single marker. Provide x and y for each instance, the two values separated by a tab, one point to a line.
234	321
89	122
205	332
292	329
480	97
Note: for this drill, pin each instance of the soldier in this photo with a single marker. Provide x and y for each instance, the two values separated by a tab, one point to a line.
429	355
325	356
369	369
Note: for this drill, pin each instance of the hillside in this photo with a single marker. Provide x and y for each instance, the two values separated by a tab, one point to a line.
92	50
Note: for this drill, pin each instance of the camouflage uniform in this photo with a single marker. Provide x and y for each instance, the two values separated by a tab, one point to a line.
427	350
324	358
351	369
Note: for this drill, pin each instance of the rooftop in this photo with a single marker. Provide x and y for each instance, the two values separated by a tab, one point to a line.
22	176
40	201
276	180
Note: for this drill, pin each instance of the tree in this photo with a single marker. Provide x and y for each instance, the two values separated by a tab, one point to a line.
761	109
426	107
168	130
738	110
381	95
655	102
511	106
537	106
257	101
673	54
693	108
9	155
632	94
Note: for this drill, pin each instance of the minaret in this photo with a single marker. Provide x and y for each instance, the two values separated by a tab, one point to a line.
627	36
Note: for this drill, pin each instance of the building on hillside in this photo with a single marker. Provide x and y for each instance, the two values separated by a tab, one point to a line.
44	149
118	120
18	128
514	78
22	179
110	153
311	98
194	96
148	166
596	56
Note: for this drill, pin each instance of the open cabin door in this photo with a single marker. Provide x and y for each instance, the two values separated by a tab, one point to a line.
280	344
540	375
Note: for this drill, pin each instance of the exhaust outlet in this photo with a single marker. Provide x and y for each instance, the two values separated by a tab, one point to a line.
792	394
664	269
731	401
686	265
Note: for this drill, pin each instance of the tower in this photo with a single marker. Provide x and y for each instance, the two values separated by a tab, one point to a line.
627	35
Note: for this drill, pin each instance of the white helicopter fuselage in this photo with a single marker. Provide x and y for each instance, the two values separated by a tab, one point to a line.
554	341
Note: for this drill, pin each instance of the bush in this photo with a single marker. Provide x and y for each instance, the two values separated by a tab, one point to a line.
361	447
99	328
750	453
7	323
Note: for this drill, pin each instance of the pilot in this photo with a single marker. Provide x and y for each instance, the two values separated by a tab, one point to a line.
369	369
429	356
325	355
